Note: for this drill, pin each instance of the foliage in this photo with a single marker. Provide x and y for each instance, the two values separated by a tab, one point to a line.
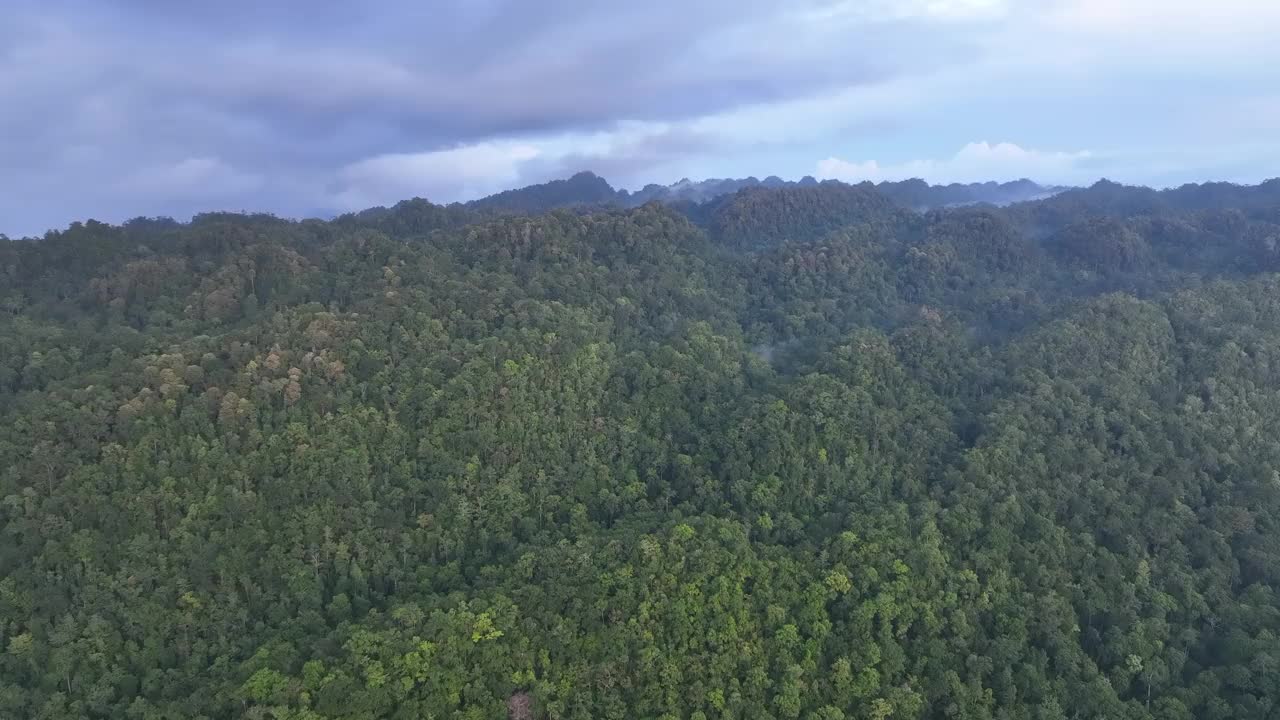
824	459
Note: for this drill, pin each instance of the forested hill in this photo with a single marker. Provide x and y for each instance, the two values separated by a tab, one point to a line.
583	189
588	191
914	194
796	452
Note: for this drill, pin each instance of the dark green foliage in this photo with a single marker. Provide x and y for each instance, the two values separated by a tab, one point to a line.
828	459
583	189
757	217
986	238
1103	245
920	195
410	218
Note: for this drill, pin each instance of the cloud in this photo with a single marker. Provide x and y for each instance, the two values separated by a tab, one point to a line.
443	176
632	156
629	156
301	95
1179	37
459	75
881	10
148	106
1185	17
975	162
195	176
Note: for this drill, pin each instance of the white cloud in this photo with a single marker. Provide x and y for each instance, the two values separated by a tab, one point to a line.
864	11
975	162
442	176
1171	37
626	154
1138	18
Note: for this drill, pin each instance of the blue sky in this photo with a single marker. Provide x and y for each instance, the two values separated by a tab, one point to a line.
116	109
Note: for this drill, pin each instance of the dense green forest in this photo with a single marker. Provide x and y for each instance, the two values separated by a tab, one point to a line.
796	452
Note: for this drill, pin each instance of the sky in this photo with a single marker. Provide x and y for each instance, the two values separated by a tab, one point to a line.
112	109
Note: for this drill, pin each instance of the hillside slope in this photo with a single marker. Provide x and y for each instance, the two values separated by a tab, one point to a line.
802	453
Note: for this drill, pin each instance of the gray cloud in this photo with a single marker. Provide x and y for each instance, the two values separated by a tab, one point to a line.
127	107
291	94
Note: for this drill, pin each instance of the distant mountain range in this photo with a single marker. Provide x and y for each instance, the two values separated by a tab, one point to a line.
586	189
748	212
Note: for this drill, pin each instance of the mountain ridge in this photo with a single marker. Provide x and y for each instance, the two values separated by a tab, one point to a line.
586	188
586	191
